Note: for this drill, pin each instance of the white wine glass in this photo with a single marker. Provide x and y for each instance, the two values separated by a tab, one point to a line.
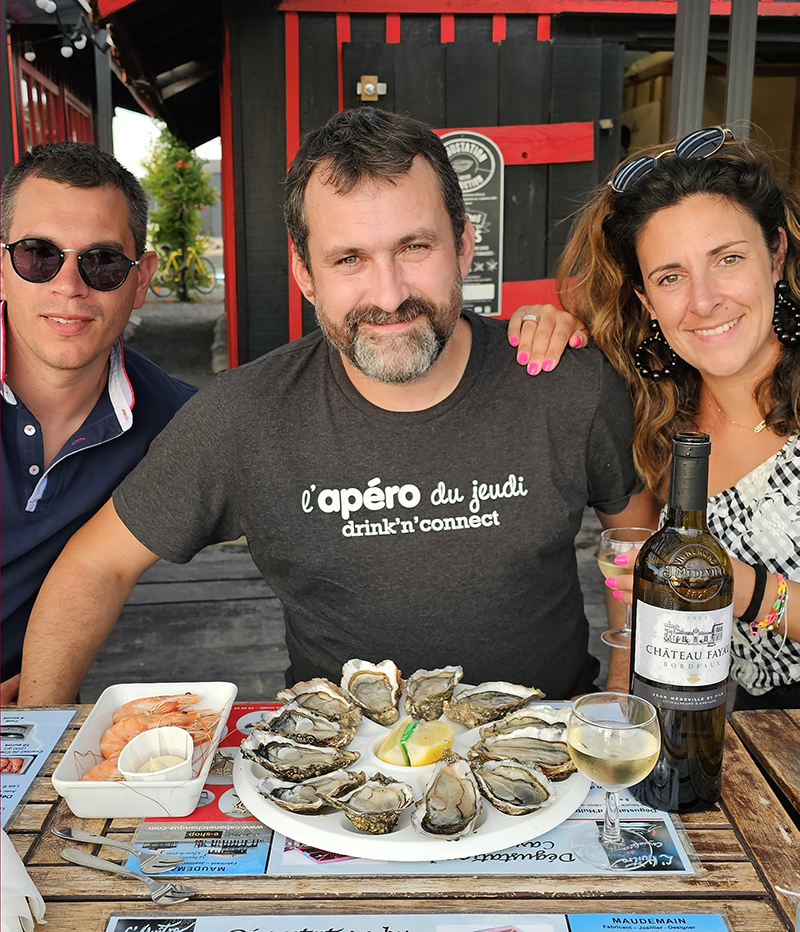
613	739
613	542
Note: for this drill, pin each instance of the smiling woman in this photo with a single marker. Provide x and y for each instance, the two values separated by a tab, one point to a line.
686	270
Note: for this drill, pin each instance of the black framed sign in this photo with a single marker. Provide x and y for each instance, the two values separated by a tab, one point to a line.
478	162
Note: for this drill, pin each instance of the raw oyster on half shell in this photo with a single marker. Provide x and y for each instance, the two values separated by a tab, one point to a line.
527	747
375	687
531	716
428	690
477	705
451	803
375	806
308	727
512	787
310	795
325	698
290	760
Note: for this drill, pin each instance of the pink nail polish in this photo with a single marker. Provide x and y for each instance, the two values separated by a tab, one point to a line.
576	341
617	594
522	358
547	365
611	582
621	560
513	340
533	369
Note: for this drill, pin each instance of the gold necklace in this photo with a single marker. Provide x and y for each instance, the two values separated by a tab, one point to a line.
756	430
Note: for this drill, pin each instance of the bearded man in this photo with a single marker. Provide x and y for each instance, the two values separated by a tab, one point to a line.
404	488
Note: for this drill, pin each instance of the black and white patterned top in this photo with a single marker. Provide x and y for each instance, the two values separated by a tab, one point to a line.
758	519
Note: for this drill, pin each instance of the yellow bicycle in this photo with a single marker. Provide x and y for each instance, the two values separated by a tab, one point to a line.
200	272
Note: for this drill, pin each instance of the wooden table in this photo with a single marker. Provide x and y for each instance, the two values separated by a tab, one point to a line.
772	737
747	846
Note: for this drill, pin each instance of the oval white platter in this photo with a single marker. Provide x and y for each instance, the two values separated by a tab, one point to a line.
332	831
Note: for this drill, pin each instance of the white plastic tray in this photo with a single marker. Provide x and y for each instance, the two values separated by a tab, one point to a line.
334	832
91	799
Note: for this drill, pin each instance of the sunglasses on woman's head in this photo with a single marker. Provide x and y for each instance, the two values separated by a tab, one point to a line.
39	261
700	144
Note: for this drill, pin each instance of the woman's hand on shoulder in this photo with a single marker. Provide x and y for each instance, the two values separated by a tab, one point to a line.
540	342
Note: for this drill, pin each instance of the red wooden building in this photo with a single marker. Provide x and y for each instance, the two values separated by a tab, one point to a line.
543	78
55	77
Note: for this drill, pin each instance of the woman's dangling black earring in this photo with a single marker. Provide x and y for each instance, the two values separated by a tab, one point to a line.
656	347
786	319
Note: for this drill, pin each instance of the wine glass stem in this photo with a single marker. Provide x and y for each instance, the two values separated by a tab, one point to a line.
627	628
611	836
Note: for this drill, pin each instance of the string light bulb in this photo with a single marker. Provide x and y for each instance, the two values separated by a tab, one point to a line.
49	6
67	50
80	42
29	54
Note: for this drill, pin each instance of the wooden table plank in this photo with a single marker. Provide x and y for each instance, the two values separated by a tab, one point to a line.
716	844
744	915
766	828
718	879
772	736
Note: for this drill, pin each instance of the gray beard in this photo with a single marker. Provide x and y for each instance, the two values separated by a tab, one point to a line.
399	358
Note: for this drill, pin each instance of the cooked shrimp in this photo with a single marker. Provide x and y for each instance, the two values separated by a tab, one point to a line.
155	705
200	723
105	770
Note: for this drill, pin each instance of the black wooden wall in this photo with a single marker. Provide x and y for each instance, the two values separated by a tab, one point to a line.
472	81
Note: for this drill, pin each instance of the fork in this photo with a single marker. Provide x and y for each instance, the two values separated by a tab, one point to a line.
149	862
162	892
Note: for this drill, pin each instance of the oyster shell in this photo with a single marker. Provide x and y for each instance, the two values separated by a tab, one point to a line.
325	698
478	705
452	801
427	691
531	716
512	787
309	796
527	747
376	805
375	687
307	727
290	760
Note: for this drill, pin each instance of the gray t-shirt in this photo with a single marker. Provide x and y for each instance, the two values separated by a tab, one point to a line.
433	537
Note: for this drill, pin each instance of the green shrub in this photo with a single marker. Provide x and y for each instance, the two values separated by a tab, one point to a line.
176	181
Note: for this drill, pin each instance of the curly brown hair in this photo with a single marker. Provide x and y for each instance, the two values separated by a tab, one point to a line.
599	275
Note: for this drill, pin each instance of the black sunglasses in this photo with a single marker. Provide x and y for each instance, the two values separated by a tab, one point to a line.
701	144
39	261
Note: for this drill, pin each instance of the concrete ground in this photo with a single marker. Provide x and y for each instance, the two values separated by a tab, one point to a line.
215	618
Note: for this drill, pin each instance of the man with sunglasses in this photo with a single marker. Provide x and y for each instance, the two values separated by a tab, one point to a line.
77	413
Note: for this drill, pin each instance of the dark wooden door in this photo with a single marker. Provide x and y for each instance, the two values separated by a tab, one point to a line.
545	102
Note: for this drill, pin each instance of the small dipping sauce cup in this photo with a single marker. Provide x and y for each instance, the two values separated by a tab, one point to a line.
158	755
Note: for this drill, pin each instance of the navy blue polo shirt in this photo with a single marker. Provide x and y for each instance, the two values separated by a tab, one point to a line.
41	509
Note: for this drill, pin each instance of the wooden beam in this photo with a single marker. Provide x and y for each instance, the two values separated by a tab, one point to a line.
542	144
540	7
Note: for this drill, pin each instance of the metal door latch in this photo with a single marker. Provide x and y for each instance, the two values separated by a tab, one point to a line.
369	88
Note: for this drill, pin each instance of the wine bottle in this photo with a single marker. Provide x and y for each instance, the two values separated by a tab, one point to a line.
682	620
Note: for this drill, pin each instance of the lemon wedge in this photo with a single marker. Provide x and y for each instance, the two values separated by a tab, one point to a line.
414	744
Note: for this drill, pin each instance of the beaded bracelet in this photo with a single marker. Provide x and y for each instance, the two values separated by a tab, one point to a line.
773	620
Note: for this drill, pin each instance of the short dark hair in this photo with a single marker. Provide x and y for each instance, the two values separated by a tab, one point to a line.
367	143
78	165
